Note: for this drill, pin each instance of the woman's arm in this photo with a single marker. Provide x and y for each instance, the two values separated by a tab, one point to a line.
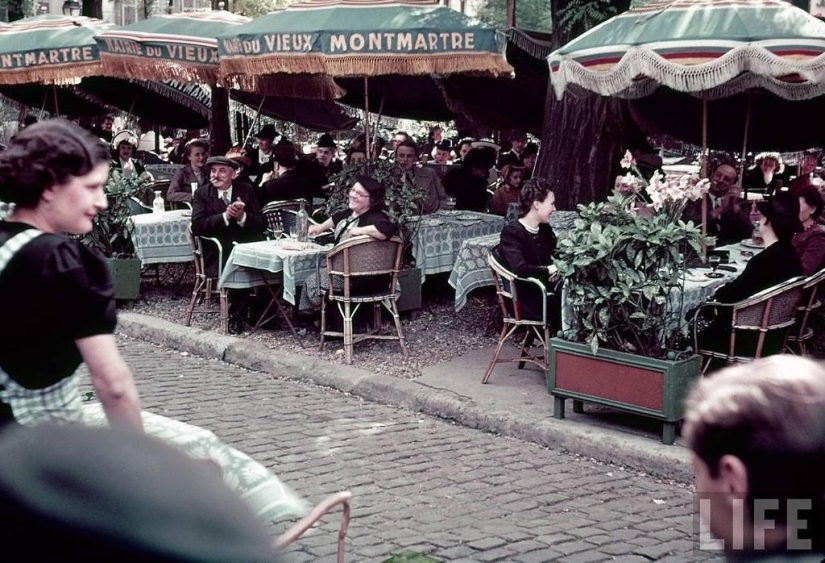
370	231
112	380
325	226
513	251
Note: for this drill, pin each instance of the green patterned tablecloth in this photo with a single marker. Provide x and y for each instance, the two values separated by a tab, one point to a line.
163	237
258	263
437	238
471	270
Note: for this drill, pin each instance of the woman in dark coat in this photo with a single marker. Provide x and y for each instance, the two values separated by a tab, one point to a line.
527	247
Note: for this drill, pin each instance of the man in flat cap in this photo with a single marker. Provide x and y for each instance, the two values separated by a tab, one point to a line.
230	212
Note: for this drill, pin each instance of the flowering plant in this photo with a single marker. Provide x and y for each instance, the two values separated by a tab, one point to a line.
623	263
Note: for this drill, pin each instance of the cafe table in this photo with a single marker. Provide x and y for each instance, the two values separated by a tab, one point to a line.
268	262
163	237
470	270
437	238
265	494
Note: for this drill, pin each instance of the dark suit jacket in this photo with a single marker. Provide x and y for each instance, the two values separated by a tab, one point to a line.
257	167
207	220
774	265
528	256
290	185
728	228
510	157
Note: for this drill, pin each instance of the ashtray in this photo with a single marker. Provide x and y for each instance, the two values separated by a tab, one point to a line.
714	275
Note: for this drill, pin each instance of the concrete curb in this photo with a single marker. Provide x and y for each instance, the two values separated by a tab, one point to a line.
595	442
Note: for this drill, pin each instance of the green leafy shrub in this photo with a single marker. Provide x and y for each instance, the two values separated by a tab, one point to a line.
112	229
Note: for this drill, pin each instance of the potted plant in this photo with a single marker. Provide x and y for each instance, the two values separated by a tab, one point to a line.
111	233
401	203
623	265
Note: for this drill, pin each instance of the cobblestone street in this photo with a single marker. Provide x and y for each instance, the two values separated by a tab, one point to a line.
420	483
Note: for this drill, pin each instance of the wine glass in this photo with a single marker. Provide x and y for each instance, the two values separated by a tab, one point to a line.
714	260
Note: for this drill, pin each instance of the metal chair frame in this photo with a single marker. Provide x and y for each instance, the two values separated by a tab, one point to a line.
206	286
342	263
282	214
810	302
308	521
506	290
758	313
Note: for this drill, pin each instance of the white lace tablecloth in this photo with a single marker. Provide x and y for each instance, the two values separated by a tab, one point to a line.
268	497
437	238
163	237
272	261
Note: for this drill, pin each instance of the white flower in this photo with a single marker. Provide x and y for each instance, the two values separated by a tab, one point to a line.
628	160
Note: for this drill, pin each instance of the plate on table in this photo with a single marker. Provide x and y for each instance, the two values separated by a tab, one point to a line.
432	222
186	214
750	244
714	275
467	217
294	245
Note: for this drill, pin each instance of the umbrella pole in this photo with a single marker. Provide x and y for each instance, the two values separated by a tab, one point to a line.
43	107
254	122
745	146
54	93
367	114
704	173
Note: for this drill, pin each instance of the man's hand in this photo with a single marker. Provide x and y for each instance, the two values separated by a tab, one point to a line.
235	210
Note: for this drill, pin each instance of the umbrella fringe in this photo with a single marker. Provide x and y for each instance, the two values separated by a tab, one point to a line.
533	47
147	69
684	78
309	86
70	74
180	98
366	65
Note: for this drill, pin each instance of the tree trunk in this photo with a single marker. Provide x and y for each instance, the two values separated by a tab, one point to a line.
583	138
582	142
219	134
92	8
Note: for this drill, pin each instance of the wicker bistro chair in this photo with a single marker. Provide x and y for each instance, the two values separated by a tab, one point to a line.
812	300
773	309
205	286
359	258
282	216
508	299
299	528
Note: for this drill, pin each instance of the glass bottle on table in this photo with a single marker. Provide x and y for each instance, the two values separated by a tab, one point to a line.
157	203
302	224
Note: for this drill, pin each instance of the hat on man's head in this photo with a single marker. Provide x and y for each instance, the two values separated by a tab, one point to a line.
266	132
284	154
444	145
125	136
325	141
481	143
483	157
238	154
530	149
223	161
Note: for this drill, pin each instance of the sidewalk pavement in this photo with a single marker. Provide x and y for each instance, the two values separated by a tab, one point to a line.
514	403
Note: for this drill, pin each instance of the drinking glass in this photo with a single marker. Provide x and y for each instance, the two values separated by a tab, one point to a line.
714	260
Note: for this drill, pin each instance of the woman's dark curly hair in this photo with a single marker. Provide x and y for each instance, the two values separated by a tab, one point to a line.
45	155
534	189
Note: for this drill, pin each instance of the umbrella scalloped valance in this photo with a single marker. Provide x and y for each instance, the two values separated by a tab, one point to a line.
364	38
50	49
695	45
168	47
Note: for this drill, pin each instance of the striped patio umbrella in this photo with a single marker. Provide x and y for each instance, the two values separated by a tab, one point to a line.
720	47
184	47
174	47
50	49
364	38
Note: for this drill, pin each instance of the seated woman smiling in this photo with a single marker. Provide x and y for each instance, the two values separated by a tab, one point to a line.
364	216
527	247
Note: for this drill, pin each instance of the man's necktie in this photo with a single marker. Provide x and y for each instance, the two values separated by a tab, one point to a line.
225	198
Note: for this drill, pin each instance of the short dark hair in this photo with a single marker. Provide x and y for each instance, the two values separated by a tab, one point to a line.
813	198
375	188
362	150
44	155
408	143
534	189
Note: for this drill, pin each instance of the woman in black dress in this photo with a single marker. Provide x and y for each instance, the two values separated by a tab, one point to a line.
364	216
59	305
527	247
